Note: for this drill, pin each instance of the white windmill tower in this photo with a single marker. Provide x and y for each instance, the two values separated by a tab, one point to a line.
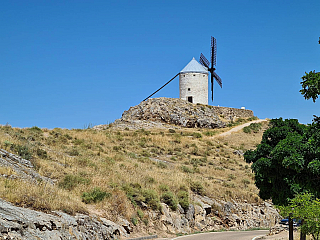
193	83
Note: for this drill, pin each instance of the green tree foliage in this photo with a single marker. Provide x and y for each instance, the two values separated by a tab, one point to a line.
287	161
311	85
305	206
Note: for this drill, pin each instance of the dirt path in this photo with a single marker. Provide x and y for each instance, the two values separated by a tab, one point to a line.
237	128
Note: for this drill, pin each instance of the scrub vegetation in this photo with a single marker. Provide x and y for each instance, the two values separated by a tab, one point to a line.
120	171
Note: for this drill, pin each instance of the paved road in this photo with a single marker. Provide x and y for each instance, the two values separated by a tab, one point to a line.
241	235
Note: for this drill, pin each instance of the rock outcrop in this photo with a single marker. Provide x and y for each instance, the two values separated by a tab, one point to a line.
22	168
159	112
209	214
23	223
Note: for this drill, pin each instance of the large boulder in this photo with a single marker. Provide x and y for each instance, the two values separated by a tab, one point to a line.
23	223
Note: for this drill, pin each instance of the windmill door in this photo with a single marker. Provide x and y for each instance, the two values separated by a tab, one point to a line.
190	99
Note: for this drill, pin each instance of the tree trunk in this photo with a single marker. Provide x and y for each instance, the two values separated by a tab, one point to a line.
290	227
303	236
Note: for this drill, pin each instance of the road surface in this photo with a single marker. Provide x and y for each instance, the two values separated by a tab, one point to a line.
231	235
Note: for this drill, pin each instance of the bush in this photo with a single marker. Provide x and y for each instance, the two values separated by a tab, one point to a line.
22	150
163	188
140	214
255	127
36	129
73	152
197	135
96	195
169	199
186	169
134	220
197	188
210	133
42	153
152	199
69	182
137	195
162	165
183	198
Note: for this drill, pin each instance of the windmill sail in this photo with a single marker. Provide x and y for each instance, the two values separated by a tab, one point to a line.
204	61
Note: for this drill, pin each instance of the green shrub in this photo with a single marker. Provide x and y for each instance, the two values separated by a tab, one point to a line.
145	153
197	135
152	199
150	180
252	118
197	188
246	130
134	220
22	150
36	129
7	144
162	165
134	193
145	221
183	198
231	177
186	169
245	181
169	199
94	196
140	213
163	188
255	127
78	141
42	153
73	152
69	182
171	130
210	133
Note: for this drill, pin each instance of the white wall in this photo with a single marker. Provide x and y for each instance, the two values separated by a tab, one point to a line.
194	85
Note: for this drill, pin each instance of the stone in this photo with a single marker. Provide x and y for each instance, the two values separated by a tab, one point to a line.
23	223
23	168
163	113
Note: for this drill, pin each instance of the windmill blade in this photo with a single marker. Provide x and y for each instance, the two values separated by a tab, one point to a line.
211	87
213	52
218	79
204	61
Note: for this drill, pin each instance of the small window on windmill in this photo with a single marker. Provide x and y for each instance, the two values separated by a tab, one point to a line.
184	75
194	75
189	89
203	75
190	99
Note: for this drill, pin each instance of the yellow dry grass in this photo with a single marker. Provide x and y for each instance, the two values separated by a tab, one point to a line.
111	159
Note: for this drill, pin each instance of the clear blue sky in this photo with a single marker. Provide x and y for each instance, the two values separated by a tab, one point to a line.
73	63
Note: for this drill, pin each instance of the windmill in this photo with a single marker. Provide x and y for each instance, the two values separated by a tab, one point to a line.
193	78
204	61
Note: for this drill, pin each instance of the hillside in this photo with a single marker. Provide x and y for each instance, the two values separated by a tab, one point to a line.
160	180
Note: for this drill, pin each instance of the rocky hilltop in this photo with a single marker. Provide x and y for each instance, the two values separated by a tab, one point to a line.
161	112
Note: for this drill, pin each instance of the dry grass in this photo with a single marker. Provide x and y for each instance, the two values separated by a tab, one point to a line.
112	159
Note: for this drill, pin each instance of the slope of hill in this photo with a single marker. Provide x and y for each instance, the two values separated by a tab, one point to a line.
162	181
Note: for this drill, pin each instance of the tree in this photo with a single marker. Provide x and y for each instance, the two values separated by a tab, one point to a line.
311	85
287	161
306	207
